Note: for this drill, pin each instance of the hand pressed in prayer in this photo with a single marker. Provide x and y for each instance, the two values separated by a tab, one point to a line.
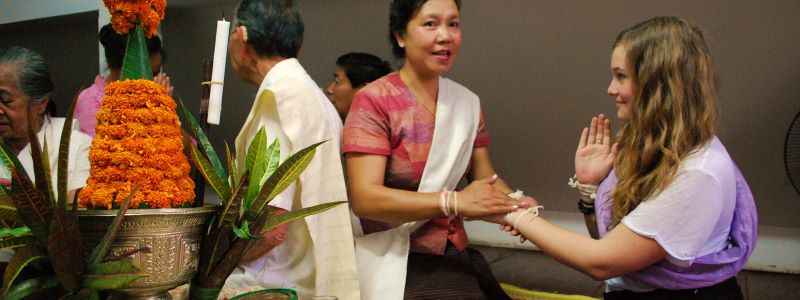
162	79
595	154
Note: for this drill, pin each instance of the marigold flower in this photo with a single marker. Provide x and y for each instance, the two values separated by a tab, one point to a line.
138	142
124	14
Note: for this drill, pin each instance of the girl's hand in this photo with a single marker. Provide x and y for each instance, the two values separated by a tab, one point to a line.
481	199
595	155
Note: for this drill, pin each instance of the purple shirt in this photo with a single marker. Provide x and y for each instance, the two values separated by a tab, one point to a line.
705	269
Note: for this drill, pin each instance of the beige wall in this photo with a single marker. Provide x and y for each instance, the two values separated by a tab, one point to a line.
541	69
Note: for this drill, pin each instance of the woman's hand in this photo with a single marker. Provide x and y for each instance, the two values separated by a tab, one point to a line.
163	80
595	155
480	199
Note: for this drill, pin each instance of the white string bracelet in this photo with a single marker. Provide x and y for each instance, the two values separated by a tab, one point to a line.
533	210
443	203
588	190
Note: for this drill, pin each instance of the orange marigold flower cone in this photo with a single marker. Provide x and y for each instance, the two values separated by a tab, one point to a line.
138	142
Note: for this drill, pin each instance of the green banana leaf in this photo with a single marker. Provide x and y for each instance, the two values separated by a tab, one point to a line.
286	173
100	251
64	249
23	257
63	157
207	148
30	287
136	64
219	184
112	275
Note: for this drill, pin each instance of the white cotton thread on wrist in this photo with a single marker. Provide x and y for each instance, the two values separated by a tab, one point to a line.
587	190
533	210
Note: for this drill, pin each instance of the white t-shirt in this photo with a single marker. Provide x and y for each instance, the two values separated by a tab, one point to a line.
691	218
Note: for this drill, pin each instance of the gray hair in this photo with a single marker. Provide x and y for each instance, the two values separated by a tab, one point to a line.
33	75
274	27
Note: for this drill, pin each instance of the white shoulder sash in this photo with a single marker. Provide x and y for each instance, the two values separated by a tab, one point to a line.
383	256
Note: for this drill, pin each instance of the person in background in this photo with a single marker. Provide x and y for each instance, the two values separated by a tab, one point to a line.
353	71
671	215
26	88
315	254
409	138
89	100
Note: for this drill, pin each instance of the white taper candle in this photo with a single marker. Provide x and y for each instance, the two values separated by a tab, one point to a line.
218	71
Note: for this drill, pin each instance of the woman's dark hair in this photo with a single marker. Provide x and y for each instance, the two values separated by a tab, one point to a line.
115	45
274	27
33	75
400	13
362	68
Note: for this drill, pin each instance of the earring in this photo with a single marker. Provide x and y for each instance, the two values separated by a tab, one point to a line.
402	45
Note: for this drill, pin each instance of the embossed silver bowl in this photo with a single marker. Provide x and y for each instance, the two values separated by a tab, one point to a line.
172	234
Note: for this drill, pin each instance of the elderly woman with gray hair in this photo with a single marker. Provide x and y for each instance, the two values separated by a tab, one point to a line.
26	89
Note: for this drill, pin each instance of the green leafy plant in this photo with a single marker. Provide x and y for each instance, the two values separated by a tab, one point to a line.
43	230
245	215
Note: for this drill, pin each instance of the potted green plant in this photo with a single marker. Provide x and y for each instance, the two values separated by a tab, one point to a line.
245	215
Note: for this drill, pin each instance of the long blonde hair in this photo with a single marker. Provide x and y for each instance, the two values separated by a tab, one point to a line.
674	111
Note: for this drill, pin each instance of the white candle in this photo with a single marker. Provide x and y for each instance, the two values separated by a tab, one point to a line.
218	72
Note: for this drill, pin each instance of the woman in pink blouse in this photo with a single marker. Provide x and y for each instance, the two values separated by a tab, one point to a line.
408	139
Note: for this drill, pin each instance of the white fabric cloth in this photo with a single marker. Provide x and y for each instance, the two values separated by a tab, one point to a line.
300	116
383	256
692	217
79	145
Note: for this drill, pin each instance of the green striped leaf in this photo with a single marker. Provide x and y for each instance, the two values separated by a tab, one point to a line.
112	275
16	242
63	157
30	287
274	220
8	211
212	156
217	183
285	175
23	257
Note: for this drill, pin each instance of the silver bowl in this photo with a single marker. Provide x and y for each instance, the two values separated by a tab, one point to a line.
172	234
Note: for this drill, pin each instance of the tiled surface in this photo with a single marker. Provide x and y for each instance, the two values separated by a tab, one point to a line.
536	271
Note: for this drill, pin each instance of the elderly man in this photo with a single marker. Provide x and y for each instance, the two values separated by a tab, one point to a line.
314	255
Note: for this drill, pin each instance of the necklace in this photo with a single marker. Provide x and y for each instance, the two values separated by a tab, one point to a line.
426	107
